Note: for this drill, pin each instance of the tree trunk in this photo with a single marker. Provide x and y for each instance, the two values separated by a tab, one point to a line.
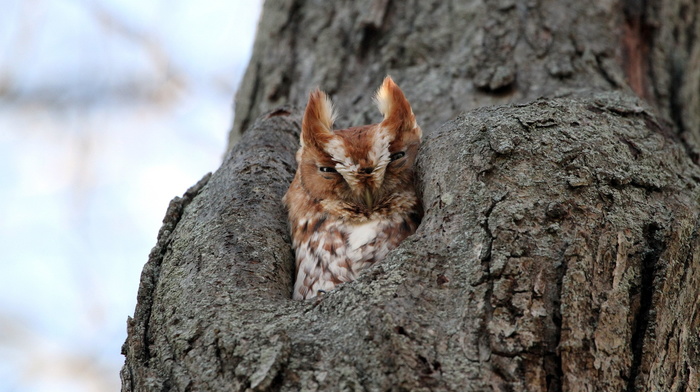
559	248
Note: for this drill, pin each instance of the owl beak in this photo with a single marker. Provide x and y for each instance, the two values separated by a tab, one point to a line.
369	200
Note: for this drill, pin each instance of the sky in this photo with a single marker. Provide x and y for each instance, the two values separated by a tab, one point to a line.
108	110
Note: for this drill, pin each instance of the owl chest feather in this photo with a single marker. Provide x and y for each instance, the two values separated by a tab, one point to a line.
336	251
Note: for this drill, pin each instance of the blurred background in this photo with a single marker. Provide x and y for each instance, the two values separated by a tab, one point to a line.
108	109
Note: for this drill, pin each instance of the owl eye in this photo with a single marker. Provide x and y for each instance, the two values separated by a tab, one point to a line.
397	155
327	169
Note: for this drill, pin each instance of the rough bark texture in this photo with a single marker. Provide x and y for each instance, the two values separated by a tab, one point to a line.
447	56
559	248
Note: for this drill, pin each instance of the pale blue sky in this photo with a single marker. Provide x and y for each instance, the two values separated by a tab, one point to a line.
108	109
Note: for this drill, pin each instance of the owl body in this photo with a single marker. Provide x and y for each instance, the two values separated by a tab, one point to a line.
352	199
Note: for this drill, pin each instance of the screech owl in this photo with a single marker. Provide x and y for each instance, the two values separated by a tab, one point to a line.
352	199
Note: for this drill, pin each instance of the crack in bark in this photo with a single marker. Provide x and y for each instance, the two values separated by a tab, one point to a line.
371	26
554	373
649	266
605	71
488	278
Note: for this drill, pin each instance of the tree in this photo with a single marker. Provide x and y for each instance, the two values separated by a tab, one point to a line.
559	176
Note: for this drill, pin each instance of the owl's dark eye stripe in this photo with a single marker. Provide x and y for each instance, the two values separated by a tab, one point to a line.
327	169
397	155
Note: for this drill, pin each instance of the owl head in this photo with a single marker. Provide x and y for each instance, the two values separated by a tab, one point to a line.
359	167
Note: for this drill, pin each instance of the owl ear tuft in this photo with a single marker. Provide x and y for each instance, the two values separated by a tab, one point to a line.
392	103
317	125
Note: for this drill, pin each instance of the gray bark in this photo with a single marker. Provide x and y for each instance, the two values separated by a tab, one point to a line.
447	56
559	248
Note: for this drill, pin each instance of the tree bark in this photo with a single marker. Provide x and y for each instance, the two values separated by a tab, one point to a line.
559	248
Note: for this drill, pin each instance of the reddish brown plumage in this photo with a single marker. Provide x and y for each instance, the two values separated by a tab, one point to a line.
352	198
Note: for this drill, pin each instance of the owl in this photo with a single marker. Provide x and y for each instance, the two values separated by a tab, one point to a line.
352	199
